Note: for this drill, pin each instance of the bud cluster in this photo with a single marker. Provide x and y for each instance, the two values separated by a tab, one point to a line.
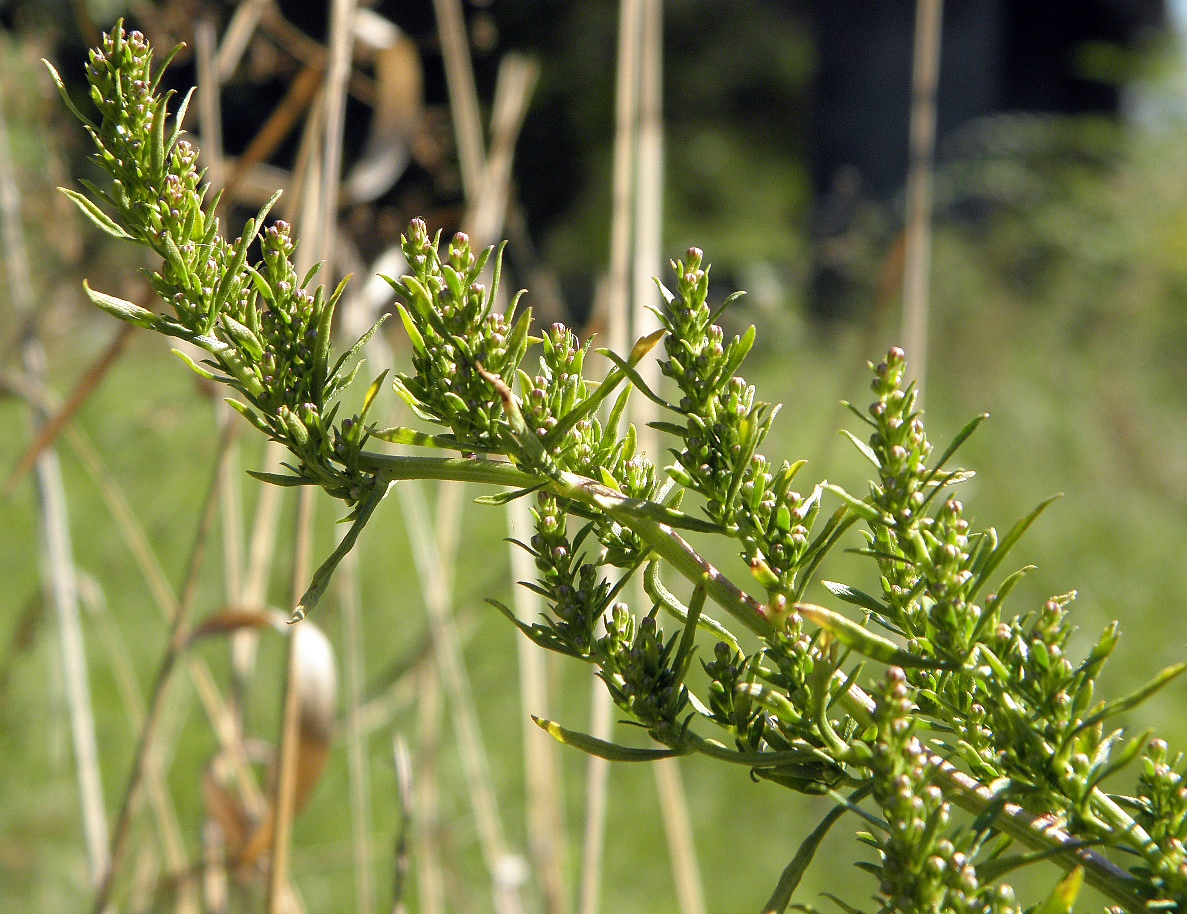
585	446
1018	707
576	595
456	335
643	672
926	862
1162	804
723	427
265	331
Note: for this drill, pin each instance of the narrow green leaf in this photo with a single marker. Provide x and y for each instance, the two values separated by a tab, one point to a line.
496	278
313	270
1123	757
843	905
197	369
738	353
992	870
279	479
354	350
730	299
616	376
856	597
372	393
156	144
860	415
321	578
503	498
243	336
123	309
591	745
961	437
539	635
636	379
261	284
864	449
533	448
179	117
775	702
418	342
994	558
245	411
687	639
643	345
1135	698
794	871
670	428
865	642
86	121
1011	581
414	404
1063	897
661	595
164	65
864	510
837	526
101	220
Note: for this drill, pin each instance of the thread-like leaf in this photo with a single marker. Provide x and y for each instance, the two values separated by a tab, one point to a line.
1063	897
865	642
794	871
100	219
123	309
994	558
591	745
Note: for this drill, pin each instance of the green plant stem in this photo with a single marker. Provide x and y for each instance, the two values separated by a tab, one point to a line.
630	512
1039	833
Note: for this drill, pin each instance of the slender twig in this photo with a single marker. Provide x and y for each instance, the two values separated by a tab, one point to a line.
916	274
648	221
83	388
463	98
542	774
137	541
57	553
178	636
284	797
359	783
430	881
436	589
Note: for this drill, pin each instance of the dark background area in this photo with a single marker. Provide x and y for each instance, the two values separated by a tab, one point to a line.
793	113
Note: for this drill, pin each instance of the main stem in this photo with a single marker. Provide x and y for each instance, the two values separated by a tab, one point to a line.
637	515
